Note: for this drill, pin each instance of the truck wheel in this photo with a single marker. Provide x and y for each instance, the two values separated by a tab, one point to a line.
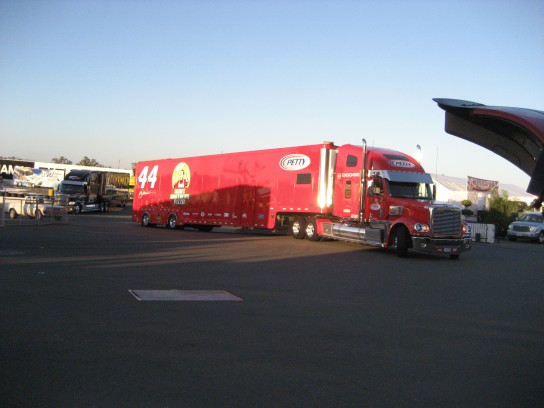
12	213
298	228
39	215
77	208
145	220
402	241
172	221
311	231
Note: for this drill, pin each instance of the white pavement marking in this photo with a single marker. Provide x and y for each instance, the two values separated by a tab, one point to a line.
183	295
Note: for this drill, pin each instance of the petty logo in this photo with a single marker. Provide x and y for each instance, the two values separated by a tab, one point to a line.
401	163
181	179
293	162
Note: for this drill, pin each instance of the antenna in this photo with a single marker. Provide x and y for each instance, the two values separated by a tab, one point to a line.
436	163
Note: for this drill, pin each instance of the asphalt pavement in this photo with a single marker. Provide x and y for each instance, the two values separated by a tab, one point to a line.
101	312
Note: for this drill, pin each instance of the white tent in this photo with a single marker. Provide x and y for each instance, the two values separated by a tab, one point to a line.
454	190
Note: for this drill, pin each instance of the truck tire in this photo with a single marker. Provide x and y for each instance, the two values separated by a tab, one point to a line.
298	228
145	220
402	241
39	215
311	231
12	213
172	221
77	208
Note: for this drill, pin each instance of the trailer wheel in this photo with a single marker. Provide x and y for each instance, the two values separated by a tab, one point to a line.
172	221
145	220
12	213
402	241
298	228
311	231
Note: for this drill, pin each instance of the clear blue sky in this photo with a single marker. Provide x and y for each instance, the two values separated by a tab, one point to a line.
122	81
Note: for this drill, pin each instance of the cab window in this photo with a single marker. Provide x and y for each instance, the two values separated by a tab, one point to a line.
351	161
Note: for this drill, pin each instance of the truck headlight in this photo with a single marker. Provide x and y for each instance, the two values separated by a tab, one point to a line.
422	228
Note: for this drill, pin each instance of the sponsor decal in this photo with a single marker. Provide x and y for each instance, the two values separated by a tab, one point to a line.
348	175
401	163
375	206
144	193
181	179
294	162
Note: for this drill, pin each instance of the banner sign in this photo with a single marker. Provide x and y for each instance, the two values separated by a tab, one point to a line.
7	166
476	184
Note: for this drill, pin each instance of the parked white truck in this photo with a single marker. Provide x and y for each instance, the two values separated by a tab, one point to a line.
30	205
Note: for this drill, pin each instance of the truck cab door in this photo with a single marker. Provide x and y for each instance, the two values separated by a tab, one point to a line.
375	208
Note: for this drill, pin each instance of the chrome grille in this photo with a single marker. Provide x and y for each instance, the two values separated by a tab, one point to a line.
521	228
446	220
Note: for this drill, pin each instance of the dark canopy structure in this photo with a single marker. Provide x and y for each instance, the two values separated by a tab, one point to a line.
516	134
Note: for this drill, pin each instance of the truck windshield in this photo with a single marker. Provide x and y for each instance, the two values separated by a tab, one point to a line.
71	188
410	190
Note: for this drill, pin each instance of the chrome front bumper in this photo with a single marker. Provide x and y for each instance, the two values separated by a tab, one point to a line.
441	246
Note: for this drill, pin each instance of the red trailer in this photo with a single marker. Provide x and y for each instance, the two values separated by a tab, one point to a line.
374	196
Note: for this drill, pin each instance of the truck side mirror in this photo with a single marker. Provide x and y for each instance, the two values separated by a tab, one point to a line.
434	192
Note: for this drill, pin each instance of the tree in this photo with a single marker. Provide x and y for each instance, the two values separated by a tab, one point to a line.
467	212
89	162
500	211
61	160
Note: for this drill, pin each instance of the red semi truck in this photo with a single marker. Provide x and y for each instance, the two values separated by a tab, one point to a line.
369	195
